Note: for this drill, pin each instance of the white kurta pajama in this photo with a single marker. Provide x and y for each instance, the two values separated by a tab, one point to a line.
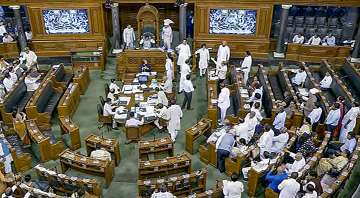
279	142
315	115
174	115
184	53
246	130
223	54
232	189
279	121
265	141
184	71
162	99
246	68
169	68
289	188
296	166
167	36
30	58
351	115
162	113
299	78
129	37
325	83
224	102
203	60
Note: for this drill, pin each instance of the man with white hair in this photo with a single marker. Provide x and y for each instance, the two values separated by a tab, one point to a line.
223	53
129	37
166	34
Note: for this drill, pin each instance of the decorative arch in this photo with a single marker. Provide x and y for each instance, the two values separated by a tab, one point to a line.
148	21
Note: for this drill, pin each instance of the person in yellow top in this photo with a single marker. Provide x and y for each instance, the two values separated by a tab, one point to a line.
334	162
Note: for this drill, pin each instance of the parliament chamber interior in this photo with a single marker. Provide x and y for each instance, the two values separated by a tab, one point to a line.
179	98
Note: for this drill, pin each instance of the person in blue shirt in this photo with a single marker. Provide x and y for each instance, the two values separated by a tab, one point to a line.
276	177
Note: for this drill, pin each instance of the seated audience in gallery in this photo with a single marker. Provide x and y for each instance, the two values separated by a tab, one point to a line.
7	38
298	38
314	40
329	40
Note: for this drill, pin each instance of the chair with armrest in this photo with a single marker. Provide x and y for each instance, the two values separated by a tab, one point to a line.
104	120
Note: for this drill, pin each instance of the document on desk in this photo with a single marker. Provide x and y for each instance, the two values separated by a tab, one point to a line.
127	88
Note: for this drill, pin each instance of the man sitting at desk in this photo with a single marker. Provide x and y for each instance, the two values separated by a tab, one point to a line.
133	122
314	40
298	38
145	67
329	40
163	193
300	77
101	154
108	110
161	113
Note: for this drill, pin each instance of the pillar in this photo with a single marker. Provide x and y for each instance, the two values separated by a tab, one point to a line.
19	27
182	21
279	53
355	53
115	25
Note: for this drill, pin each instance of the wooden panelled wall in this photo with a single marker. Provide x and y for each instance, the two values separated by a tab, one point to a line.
128	14
61	44
258	44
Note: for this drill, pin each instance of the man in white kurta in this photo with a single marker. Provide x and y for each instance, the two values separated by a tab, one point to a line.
163	193
169	67
162	99
174	115
279	142
233	188
349	121
246	129
184	71
129	37
223	53
280	118
329	40
184	52
32	81
315	115
298	38
28	56
314	40
114	86
325	83
101	154
204	59
299	78
265	140
167	36
168	85
223	101
161	113
289	187
246	66
297	165
8	83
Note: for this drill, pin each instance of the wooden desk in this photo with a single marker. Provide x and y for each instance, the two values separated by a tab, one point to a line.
236	79
9	50
208	154
111	145
157	146
315	53
181	185
88	165
90	185
164	167
82	78
212	107
128	62
69	101
47	151
67	126
203	127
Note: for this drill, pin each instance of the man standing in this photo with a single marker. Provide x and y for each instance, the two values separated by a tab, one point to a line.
28	56
332	120
224	146
188	89
184	71
223	53
129	37
233	188
246	66
204	59
289	187
174	115
349	121
184	52
162	99
279	121
166	34
223	101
